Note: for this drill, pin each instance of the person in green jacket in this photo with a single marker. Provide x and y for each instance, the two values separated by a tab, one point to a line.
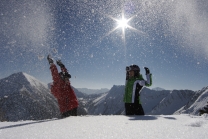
134	84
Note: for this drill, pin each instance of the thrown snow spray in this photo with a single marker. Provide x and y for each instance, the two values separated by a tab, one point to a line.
185	23
27	26
55	54
179	20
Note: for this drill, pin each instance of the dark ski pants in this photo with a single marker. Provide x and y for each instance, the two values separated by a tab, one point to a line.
134	109
72	112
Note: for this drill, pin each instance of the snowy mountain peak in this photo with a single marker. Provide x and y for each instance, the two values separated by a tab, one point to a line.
23	79
20	82
32	80
23	97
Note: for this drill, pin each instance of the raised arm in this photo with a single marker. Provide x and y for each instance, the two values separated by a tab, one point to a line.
53	68
148	82
54	72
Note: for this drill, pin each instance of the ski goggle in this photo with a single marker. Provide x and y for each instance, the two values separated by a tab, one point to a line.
130	68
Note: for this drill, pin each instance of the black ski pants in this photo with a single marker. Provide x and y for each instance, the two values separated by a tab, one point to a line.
134	109
72	112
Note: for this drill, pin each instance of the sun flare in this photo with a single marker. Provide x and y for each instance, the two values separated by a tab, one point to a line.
123	23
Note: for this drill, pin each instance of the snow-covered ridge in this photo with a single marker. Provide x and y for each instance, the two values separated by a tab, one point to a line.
197	102
174	101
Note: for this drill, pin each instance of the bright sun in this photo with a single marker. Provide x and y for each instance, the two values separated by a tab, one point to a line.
123	23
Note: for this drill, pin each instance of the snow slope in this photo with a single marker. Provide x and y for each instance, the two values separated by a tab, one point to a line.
109	127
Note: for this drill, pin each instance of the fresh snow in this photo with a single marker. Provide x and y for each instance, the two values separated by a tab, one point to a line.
109	127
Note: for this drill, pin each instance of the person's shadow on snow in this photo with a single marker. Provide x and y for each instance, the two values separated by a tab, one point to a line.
24	124
142	117
149	117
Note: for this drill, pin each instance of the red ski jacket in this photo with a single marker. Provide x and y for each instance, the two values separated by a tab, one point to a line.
62	91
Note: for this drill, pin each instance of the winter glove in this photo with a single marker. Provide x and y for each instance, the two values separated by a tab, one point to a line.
147	70
50	60
67	75
60	63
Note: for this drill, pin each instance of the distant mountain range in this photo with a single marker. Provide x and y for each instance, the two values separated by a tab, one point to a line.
158	89
22	97
93	91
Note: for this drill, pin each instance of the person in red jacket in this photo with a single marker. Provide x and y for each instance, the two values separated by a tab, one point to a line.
62	89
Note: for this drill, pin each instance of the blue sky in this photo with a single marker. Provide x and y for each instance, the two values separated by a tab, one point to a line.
166	37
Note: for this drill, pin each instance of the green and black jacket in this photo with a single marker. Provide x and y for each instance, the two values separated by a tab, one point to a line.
133	87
